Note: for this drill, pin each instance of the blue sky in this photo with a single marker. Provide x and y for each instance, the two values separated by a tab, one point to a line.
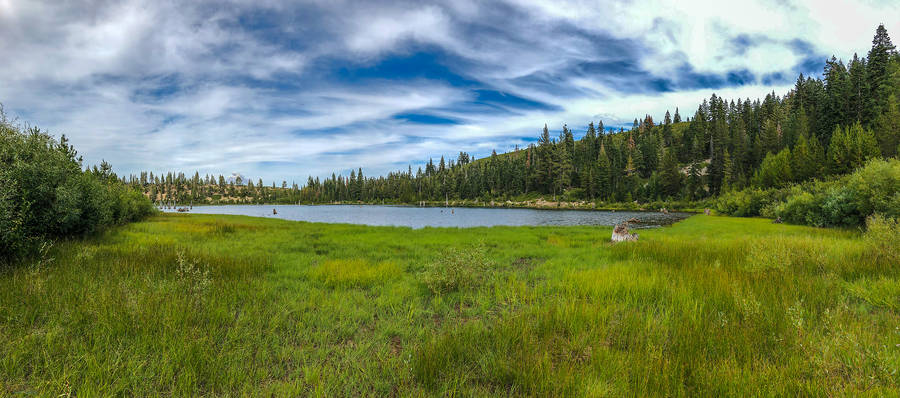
281	90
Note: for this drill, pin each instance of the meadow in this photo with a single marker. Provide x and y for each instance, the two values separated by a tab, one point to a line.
201	305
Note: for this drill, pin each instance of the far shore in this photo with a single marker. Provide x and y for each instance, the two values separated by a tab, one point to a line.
537	204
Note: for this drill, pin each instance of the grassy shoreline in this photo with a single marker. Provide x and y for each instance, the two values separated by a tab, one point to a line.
235	305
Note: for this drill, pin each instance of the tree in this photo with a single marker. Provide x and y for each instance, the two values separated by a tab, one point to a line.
775	170
669	174
807	158
603	174
859	90
837	94
877	71
771	138
865	146
563	164
887	127
840	152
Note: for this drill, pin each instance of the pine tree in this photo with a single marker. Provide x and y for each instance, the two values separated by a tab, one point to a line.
771	138
775	170
669	174
802	161
837	94
729	174
865	146
840	152
887	127
859	90
603	175
563	164
544	161
878	73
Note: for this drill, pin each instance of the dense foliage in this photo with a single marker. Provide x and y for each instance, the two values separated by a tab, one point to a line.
843	201
45	195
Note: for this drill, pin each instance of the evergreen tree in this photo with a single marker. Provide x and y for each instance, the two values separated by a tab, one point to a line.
859	90
775	170
887	127
837	94
877	71
669	175
563	163
865	146
840	152
729	174
603	174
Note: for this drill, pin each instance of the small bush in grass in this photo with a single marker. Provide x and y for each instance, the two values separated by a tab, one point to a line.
458	269
883	236
193	275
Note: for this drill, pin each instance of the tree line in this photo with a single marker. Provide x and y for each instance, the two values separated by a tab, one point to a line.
825	126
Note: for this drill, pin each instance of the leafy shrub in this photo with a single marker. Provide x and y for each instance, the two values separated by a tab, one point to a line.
883	237
847	201
44	194
458	269
193	276
844	201
747	203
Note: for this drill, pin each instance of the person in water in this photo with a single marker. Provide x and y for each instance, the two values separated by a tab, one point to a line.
274	211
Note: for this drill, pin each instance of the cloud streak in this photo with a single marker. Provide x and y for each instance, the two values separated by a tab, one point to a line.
281	90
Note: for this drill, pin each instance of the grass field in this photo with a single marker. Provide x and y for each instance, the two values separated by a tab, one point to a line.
190	305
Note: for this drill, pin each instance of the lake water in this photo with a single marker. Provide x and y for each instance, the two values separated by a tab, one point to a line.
462	217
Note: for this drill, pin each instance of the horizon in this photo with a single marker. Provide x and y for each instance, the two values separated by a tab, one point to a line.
279	92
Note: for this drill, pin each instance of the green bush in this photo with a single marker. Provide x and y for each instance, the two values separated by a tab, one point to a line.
849	200
45	195
747	203
458	269
845	201
883	237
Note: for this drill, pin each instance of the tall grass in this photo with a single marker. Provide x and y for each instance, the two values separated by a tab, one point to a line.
227	305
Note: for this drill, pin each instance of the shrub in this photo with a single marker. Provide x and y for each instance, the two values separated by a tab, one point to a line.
458	269
192	275
45	195
747	203
847	201
883	237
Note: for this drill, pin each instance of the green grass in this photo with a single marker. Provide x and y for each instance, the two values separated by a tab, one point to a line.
192	305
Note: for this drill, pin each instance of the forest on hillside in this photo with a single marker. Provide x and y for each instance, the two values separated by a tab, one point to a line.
825	127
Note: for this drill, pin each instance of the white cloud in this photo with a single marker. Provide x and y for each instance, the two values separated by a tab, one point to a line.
185	85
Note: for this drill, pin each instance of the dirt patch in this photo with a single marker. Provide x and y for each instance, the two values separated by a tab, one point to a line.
396	345
527	262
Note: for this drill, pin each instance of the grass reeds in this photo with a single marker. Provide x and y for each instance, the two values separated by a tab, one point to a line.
228	305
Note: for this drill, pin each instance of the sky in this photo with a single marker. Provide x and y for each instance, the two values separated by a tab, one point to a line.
281	90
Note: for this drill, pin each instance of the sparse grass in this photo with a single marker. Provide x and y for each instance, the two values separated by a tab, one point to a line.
193	305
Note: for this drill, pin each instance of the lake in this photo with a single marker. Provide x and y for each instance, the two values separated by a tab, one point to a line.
462	217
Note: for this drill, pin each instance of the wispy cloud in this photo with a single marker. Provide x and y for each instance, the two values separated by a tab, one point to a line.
281	90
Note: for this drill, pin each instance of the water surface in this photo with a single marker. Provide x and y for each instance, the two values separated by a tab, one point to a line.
462	217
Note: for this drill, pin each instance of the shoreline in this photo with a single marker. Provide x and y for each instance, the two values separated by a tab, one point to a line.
531	205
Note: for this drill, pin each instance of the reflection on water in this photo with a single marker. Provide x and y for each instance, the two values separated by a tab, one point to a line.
420	217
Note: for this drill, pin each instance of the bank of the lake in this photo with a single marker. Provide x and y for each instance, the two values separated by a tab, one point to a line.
233	305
